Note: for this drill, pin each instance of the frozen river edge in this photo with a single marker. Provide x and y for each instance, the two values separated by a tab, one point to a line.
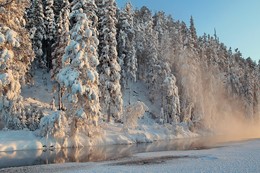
233	157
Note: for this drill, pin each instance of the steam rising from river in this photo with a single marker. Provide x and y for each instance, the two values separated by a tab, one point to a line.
227	115
207	94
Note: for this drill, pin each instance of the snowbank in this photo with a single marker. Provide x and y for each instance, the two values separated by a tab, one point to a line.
19	140
111	134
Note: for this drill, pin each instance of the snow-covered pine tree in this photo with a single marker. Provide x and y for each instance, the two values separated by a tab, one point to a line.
187	69
50	32
198	113
16	56
171	98
49	20
109	69
193	33
257	93
91	9
79	75
160	25
40	33
126	49
143	25
164	28
147	50
61	42
236	72
249	84
58	5
157	69
29	17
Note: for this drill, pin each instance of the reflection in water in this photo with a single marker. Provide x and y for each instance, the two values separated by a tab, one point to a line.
101	153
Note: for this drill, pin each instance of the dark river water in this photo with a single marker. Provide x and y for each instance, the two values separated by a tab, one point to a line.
103	153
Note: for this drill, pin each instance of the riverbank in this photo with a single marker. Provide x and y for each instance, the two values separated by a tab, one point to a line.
237	157
112	134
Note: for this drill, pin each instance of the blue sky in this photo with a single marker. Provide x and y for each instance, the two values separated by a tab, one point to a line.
237	22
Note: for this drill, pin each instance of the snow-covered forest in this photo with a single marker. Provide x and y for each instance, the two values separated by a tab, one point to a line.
71	70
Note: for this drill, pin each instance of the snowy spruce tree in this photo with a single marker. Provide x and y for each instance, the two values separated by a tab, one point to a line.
160	26
145	41
193	33
16	56
109	68
50	29
39	33
61	43
29	17
58	5
165	40
172	101
126	48
257	93
147	50
79	75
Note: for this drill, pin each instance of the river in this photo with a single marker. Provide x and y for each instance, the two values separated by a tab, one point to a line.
106	153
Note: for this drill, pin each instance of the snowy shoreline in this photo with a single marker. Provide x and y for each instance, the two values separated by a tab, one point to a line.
113	135
234	157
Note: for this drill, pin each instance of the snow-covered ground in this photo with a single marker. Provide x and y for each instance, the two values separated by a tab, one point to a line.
239	157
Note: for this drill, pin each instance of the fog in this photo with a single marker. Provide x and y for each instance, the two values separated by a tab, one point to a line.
206	92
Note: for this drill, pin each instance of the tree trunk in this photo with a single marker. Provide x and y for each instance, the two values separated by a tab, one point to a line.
59	97
129	91
48	55
108	113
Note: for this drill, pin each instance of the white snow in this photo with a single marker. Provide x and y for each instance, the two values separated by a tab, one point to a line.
112	133
133	112
11	38
2	38
18	140
237	157
40	92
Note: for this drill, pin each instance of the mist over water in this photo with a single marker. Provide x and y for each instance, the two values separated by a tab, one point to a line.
209	96
227	116
233	128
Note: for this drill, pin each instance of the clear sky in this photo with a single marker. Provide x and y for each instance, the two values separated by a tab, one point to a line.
237	22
